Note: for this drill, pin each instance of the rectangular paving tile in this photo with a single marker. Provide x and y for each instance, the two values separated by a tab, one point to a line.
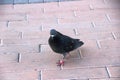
22	75
74	73
8	58
19	48
110	44
106	79
114	71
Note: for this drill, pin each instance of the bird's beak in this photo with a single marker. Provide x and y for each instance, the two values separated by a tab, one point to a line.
52	35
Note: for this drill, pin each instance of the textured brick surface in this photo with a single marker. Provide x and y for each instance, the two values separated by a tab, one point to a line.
114	71
24	33
75	73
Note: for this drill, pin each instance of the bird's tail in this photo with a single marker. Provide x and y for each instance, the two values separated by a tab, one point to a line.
79	43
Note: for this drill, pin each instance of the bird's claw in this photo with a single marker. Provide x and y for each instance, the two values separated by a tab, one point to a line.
60	63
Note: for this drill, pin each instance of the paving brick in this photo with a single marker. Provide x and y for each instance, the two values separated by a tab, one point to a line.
76	5
114	16
8	58
19	48
46	48
57	8
87	52
113	2
95	35
24	75
91	62
117	35
28	8
35	6
8	6
50	15
114	71
89	43
106	79
75	73
59	26
3	24
36	34
23	26
73	3
43	21
102	5
110	44
16	17
86	18
9	34
24	41
109	29
41	60
91	13
20	1
11	11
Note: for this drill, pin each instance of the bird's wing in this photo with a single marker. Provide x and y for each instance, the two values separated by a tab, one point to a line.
68	43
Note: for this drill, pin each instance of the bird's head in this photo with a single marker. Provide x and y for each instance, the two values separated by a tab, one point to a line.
53	32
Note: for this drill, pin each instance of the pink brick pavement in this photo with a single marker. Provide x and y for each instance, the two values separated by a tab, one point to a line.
24	32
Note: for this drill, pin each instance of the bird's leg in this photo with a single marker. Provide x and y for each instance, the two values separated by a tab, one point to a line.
61	62
64	55
68	55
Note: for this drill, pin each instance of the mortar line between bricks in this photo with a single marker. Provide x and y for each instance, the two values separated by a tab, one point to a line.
19	57
91	7
7	24
93	24
80	53
103	78
39	75
75	31
61	67
98	44
21	35
1	41
104	1
85	67
43	10
108	72
26	17
114	37
41	27
58	3
39	48
108	17
58	22
74	13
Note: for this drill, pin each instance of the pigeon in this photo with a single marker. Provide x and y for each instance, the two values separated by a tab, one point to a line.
63	44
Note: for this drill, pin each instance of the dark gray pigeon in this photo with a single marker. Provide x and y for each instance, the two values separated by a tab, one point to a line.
63	44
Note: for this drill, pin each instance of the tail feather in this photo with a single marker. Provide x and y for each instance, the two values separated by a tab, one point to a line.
79	43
